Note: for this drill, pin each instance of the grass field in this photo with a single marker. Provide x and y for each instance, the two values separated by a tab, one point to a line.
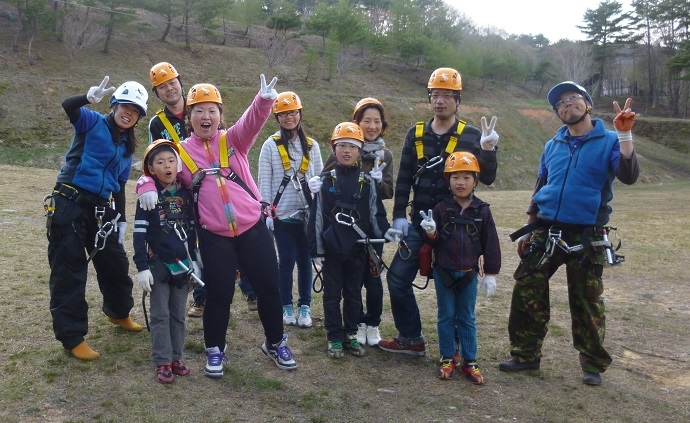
648	310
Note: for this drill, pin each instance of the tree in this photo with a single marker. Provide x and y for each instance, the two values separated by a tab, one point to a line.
35	17
169	9
284	19
80	32
119	15
604	26
248	12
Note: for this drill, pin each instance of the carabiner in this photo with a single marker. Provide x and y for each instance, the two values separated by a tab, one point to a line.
433	162
347	221
103	233
179	231
402	246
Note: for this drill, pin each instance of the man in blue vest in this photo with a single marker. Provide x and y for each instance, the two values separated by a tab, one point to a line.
566	225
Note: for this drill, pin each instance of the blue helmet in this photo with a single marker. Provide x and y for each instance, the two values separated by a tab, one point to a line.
567	86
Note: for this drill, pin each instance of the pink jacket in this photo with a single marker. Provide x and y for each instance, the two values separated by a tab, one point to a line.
240	138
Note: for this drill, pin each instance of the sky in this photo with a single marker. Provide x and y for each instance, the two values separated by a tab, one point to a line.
555	19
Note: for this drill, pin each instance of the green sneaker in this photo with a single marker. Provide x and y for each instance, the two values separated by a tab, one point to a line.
352	344
335	349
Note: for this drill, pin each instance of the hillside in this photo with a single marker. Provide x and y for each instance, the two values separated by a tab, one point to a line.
35	132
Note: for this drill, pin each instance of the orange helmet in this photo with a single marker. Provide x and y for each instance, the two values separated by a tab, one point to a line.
155	145
286	102
460	161
162	72
347	130
445	79
368	101
202	93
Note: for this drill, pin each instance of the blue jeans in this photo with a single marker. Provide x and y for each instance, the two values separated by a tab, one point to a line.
456	319
374	294
293	247
400	277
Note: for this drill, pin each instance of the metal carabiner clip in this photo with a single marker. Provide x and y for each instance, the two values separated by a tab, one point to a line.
102	235
402	246
433	162
179	231
347	220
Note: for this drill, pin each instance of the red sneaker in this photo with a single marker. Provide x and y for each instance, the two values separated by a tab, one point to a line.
179	368
446	368
396	346
457	359
472	372
164	374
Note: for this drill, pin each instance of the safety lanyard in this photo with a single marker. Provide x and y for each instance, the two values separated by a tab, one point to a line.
222	189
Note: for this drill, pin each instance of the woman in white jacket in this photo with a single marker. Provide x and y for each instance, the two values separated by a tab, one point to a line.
288	159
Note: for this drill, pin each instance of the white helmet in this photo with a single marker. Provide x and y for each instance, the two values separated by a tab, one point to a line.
131	92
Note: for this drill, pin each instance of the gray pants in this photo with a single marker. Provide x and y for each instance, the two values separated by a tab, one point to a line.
168	311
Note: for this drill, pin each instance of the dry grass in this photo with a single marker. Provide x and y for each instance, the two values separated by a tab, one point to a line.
648	334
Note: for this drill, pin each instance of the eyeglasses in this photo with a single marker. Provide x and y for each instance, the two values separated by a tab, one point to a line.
291	113
565	101
446	96
346	146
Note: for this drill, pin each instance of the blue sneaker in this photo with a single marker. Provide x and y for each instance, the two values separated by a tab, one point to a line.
304	317
280	354
214	362
289	316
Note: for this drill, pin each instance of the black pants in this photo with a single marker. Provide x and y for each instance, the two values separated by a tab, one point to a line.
254	252
72	232
342	279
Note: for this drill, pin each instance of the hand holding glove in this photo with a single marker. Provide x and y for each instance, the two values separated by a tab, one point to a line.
96	94
427	223
392	235
121	228
318	261
489	137
401	224
376	172
624	121
268	92
145	279
488	285
269	223
523	243
315	184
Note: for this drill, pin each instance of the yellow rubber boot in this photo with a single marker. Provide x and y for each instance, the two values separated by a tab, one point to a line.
127	324
84	352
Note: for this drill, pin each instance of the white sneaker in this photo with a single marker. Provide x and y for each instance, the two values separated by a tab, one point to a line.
373	336
362	333
289	316
304	316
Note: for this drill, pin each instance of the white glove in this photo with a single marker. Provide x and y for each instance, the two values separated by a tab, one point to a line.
121	228
393	235
315	184
268	92
488	285
376	172
427	223
489	137
145	279
269	223
196	269
401	224
148	200
96	94
318	261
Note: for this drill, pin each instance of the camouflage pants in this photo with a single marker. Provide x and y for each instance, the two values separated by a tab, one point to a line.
530	310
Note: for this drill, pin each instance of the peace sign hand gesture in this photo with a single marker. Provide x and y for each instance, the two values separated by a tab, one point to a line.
489	136
624	119
427	223
96	94
376	172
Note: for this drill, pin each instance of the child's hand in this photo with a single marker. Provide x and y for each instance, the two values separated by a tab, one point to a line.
488	285
427	223
145	279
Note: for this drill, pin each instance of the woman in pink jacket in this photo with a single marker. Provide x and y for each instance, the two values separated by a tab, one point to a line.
231	231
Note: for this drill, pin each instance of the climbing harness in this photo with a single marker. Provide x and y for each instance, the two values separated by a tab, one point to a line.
104	230
168	126
554	239
429	163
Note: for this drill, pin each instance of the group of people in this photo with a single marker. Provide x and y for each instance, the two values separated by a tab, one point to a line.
201	214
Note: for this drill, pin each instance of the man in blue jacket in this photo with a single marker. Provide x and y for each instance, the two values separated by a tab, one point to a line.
566	225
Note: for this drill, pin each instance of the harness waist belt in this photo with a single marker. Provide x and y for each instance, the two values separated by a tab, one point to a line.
568	227
79	196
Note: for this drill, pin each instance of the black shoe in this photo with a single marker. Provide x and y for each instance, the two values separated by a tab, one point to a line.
517	366
591	378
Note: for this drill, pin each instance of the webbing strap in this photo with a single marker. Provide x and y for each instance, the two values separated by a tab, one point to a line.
285	158
166	123
223	151
452	142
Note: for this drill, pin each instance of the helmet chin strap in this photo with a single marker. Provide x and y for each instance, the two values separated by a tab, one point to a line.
576	121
